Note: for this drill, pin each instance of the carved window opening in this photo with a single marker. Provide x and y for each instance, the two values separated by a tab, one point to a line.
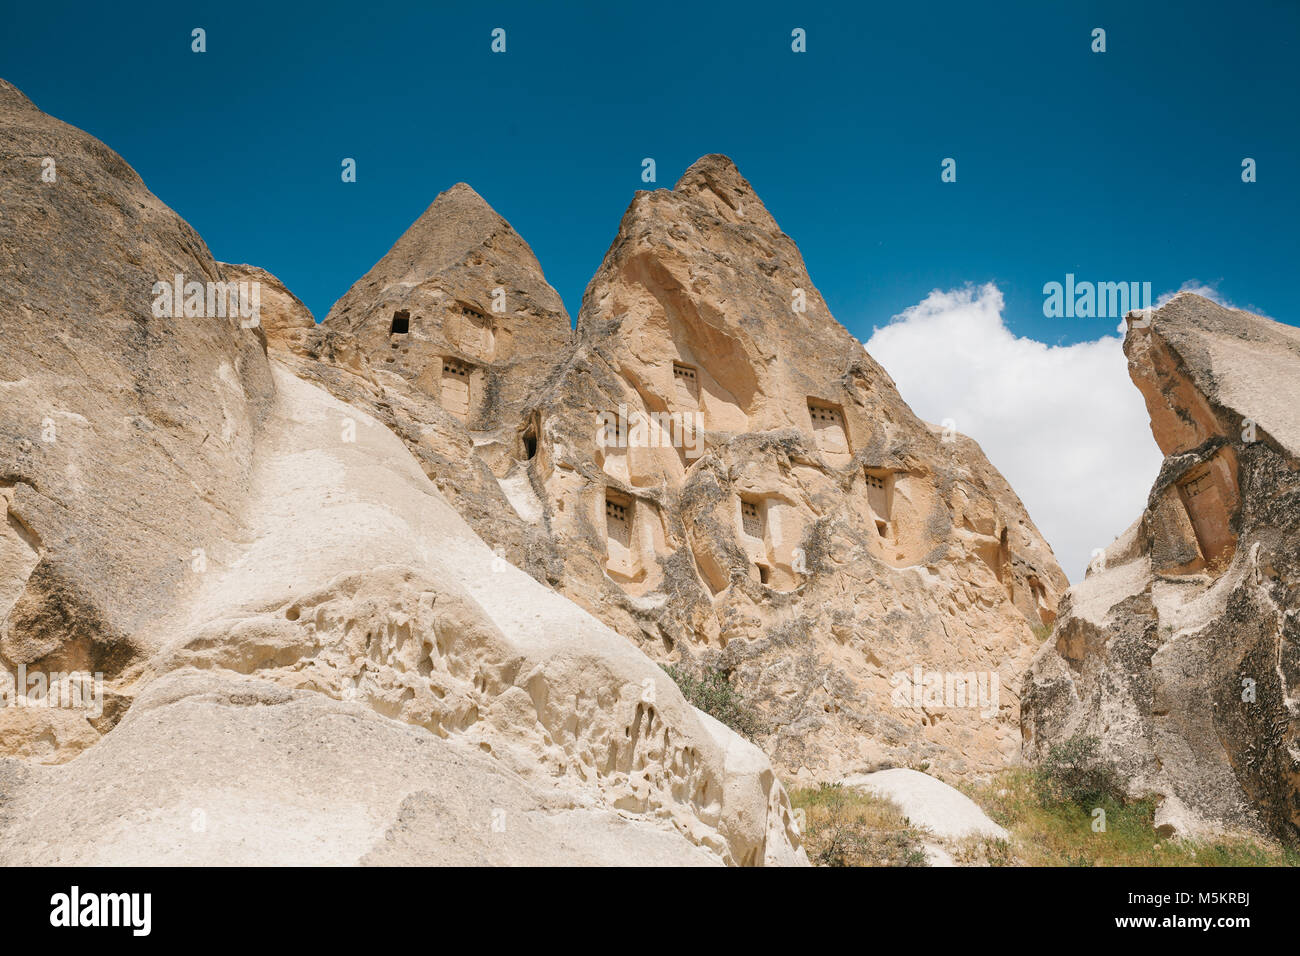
751	519
617	525
613	431
828	427
880	498
757	540
477	334
687	383
620	516
456	384
526	450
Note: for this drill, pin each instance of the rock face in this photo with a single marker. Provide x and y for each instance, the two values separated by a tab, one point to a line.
943	810
948	817
446	341
716	469
124	439
312	657
1180	651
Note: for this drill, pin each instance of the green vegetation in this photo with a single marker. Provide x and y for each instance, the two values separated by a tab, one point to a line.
1071	810
1053	831
1074	772
843	827
713	693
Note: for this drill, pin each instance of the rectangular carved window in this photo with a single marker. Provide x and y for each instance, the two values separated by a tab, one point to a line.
687	381
751	520
828	427
456	387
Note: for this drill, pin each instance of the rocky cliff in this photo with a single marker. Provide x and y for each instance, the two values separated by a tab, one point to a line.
715	468
307	655
1180	651
125	440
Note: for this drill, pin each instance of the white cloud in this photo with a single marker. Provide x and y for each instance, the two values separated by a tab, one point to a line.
1064	424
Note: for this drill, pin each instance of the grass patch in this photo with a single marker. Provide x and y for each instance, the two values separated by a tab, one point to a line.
1048	830
843	827
1070	810
712	692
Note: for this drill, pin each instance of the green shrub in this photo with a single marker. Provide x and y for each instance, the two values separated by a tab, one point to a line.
713	693
1074	772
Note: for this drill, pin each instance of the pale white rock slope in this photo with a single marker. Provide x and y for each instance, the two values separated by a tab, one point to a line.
945	812
358	678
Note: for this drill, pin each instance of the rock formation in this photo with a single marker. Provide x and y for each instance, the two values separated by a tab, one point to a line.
947	815
1180	651
715	468
307	655
125	441
446	341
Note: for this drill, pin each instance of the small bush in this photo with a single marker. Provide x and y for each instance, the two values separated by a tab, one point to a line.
847	828
1074	772
984	851
713	693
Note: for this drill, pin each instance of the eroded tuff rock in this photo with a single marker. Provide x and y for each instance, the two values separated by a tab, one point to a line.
349	674
1180	651
446	340
721	478
125	440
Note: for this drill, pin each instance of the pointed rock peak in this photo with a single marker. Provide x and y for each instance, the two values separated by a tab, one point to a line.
1189	308
462	196
1188	314
448	263
458	214
1196	357
716	180
714	164
12	98
449	233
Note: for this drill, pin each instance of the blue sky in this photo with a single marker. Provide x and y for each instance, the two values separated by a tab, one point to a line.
1117	166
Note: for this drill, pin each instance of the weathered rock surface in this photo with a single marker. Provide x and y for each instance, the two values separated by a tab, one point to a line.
1180	651
124	439
446	340
314	658
757	496
949	818
824	540
926	802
